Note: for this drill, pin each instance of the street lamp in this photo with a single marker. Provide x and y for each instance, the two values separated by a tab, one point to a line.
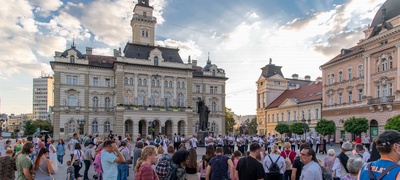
81	122
305	122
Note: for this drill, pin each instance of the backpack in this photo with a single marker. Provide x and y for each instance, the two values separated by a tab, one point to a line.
274	169
163	167
158	140
383	174
97	163
171	174
287	161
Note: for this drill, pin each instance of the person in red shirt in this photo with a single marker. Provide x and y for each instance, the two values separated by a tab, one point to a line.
143	167
358	140
291	154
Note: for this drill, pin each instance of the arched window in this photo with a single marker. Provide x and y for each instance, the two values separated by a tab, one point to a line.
142	33
131	81
158	83
128	97
377	64
72	59
168	98
170	84
71	126
107	102
145	82
329	79
147	33
183	85
95	127
153	83
155	61
72	101
178	85
107	127
155	98
213	106
181	100
384	64
360	71
140	82
350	74
95	101
126	80
142	99
340	76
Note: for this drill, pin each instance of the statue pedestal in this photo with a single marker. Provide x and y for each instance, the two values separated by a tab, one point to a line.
201	135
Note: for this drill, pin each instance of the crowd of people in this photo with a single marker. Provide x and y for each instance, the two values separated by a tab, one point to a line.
163	158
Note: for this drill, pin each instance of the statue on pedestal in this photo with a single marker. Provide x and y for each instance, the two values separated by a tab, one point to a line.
203	111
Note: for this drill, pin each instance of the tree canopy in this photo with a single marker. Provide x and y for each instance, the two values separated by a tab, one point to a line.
325	127
299	128
252	126
393	123
356	126
229	120
282	128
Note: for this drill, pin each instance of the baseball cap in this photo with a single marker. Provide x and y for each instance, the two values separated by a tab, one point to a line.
388	137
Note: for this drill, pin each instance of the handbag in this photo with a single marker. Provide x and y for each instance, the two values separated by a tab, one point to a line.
78	162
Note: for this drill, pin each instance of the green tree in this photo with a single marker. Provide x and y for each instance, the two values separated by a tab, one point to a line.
393	123
356	125
252	126
299	128
43	125
325	127
229	121
282	128
29	128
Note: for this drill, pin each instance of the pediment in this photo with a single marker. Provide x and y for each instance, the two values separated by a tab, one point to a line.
288	102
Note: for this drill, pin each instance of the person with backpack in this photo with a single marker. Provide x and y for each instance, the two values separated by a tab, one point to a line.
311	169
274	164
165	164
143	168
289	156
248	167
385	168
137	152
178	172
340	165
219	166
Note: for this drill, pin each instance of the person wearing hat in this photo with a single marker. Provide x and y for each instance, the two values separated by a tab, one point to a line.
89	157
340	165
387	167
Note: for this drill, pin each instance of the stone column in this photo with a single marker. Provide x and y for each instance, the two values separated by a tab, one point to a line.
366	76
162	86
135	130
57	110
149	87
136	86
174	127
174	96
398	63
86	105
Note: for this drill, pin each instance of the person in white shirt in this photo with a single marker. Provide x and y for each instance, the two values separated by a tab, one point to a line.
310	141
240	143
365	155
208	140
367	142
311	169
193	142
220	142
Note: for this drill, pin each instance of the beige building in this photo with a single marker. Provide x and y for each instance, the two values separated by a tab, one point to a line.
17	121
42	97
270	85
363	81
143	89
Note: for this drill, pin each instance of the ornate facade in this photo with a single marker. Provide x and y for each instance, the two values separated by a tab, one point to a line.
363	81
143	89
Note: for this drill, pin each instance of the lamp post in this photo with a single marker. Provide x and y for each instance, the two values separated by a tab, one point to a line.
81	122
305	122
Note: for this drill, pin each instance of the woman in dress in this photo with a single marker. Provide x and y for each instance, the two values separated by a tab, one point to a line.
191	166
53	154
42	166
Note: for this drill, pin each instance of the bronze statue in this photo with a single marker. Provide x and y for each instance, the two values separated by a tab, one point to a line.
203	111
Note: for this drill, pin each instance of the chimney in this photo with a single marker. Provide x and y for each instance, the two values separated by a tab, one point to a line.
189	60
194	63
117	53
89	51
307	78
319	79
295	76
58	53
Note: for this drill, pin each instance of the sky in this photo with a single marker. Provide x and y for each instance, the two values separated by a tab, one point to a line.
241	37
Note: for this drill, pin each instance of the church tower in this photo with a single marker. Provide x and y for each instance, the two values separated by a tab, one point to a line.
143	23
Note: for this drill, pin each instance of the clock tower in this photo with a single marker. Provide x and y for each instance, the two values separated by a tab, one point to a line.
143	23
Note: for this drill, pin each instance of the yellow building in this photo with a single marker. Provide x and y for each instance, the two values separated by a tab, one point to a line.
363	81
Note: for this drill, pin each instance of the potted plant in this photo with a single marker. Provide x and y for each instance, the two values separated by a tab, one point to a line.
162	108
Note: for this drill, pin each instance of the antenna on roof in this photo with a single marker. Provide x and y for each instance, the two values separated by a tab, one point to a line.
73	41
270	60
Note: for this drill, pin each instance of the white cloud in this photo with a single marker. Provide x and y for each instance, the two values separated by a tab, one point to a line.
103	51
44	8
188	48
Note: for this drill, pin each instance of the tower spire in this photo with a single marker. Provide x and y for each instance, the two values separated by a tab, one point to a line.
73	42
208	61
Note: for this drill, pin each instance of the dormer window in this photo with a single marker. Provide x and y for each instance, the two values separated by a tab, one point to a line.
213	72
72	59
156	61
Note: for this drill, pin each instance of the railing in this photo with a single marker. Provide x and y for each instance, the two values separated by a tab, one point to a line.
381	100
144	17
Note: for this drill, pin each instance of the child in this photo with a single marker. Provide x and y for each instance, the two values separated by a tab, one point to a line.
202	167
70	171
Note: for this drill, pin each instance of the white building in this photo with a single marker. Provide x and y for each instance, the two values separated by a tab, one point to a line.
42	96
143	89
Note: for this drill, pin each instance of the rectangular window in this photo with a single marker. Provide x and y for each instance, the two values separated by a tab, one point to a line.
95	81
69	79
390	89
108	82
294	115
350	74
350	96
215	90
268	118
329	79
282	117
258	100
309	114
340	98
273	117
277	117
197	88
360	94
211	89
378	91
317	113
277	83
340	76
288	116
75	80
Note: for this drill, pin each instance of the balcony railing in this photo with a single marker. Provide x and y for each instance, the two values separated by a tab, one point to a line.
381	100
144	17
